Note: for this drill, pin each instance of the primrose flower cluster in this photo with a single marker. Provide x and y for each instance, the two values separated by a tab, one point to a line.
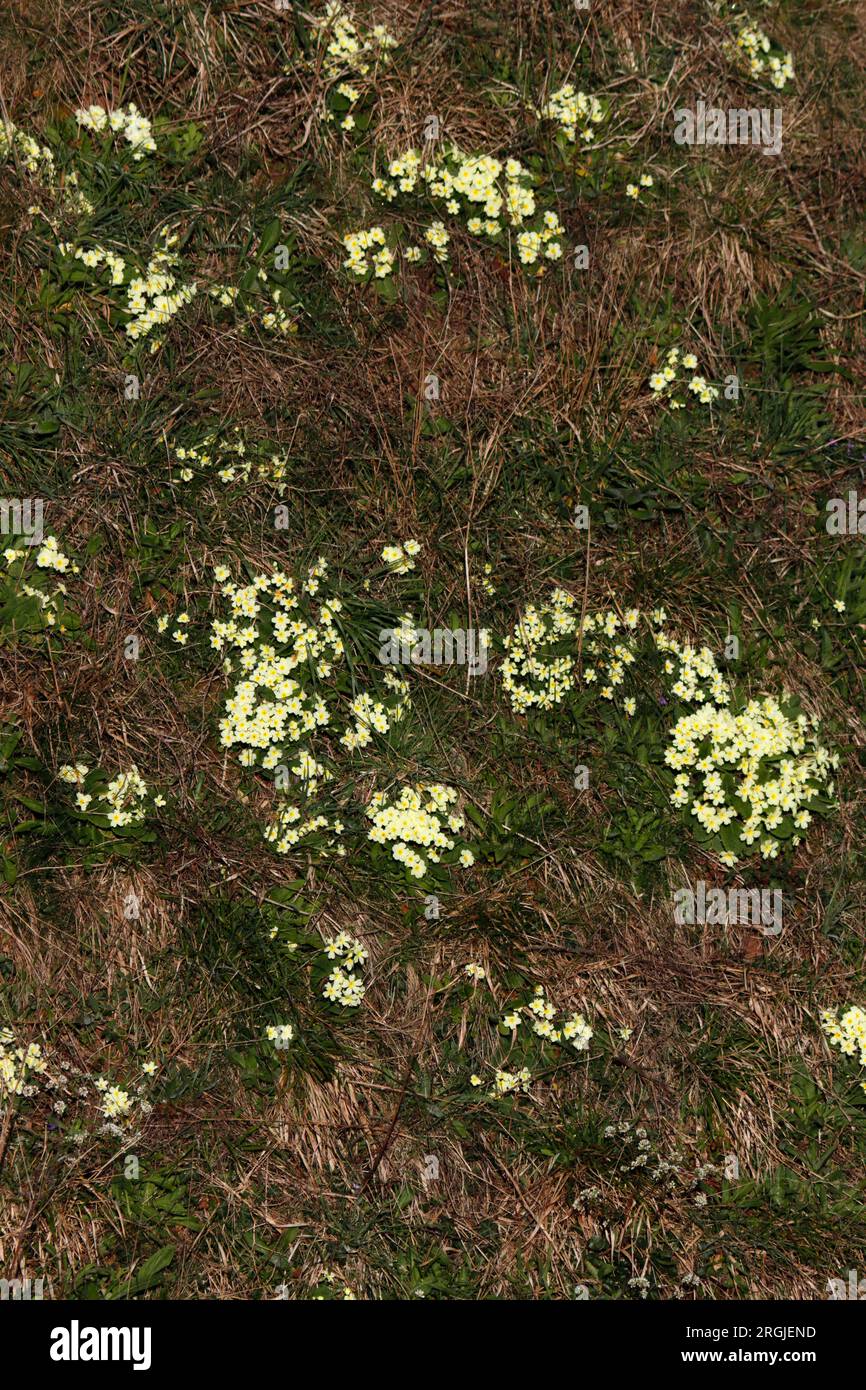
506	1083
19	1066
120	1106
280	1034
698	678
419	818
152	299
288	640
126	121
181	630
35	158
334	1287
42	608
540	669
349	49
400	558
762	57
540	1015
289	654
347	95
350	53
848	1033
95	256
747	777
24	1070
231	461
38	161
343	986
664	382
633	190
573	112
273	319
489	194
122	802
755	776
368	253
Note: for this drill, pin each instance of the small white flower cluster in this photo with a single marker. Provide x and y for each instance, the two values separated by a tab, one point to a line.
506	1083
180	633
343	986
848	1033
350	94
126	121
21	1066
437	238
664	381
286	647
349	52
38	160
49	557
697	677
344	1293
290	827
420	815
117	1103
572	111
762	57
121	801
290	650
152	299
757	771
475	972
